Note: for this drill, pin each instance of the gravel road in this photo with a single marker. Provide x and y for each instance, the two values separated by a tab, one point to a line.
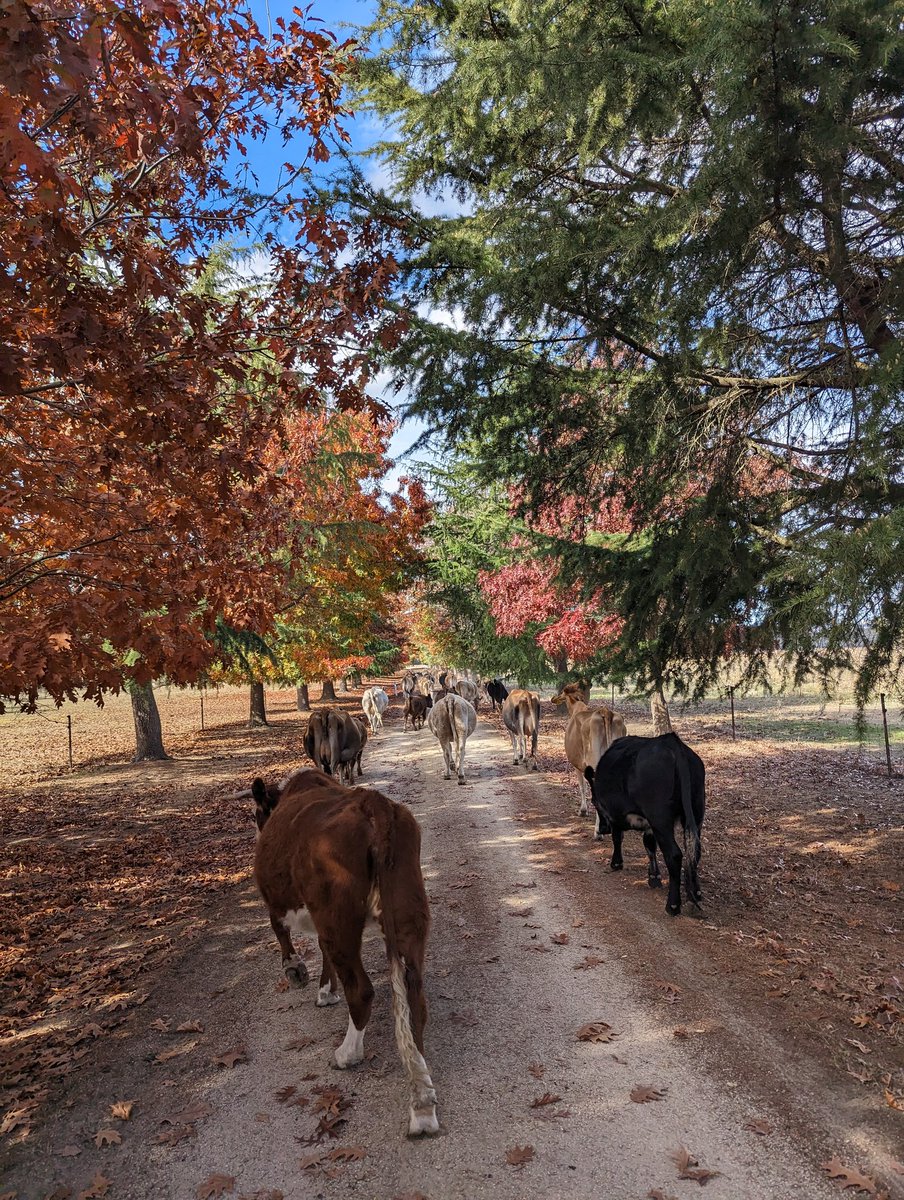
519	961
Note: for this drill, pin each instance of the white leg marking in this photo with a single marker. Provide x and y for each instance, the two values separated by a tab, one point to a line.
325	997
582	783
351	1052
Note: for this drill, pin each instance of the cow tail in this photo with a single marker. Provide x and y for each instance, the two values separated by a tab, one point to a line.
691	832
405	916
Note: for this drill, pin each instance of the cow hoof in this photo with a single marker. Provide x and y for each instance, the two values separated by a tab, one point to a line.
325	997
616	866
447	776
654	881
422	1122
673	911
343	1062
461	782
297	974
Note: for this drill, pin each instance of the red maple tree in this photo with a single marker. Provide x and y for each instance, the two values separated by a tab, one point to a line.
137	399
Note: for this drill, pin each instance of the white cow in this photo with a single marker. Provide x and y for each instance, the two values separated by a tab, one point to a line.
467	690
452	721
375	702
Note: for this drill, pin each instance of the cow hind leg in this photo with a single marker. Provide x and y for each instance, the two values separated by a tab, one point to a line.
616	862
654	879
583	789
671	852
359	995
461	762
329	985
293	964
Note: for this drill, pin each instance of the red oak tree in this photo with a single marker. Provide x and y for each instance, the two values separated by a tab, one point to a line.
138	402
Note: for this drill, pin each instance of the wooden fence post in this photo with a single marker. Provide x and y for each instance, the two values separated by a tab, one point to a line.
885	730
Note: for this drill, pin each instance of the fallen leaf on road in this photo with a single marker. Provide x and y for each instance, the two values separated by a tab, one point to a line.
61	1192
69	1152
847	1177
546	1098
175	1134
100	1185
861	1020
194	1112
537	1070
522	912
346	1154
285	1093
893	1101
160	1025
517	1156
756	1125
560	939
175	1052
190	1027
122	1109
311	1160
596	1031
643	1095
299	1043
577	923
857	1045
590	961
688	1167
466	1018
215	1185
229	1058
107	1137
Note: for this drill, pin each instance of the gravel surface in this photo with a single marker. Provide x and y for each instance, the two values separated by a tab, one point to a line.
520	959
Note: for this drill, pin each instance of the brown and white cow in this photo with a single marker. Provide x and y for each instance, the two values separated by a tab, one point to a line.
467	689
589	733
521	717
334	740
452	720
330	859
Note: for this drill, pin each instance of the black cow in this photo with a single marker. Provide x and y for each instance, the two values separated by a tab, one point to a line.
649	783
497	692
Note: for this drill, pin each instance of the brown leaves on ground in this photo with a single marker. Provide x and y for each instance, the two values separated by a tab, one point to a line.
522	912
546	1098
589	962
332	1104
467	1019
299	1043
517	1156
759	1126
98	1188
107	1137
215	1186
175	1051
537	1070
848	1177
689	1167
596	1031
560	939
229	1058
121	1110
643	1095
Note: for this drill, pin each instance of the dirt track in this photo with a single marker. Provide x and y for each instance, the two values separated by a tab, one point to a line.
504	880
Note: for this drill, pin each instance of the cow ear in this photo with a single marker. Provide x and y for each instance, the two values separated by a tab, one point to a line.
259	792
588	774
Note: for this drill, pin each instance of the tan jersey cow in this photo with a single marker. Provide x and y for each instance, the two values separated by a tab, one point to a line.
588	735
521	717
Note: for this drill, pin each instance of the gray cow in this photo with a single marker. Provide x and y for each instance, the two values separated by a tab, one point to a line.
452	721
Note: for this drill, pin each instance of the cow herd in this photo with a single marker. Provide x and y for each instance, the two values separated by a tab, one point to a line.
332	859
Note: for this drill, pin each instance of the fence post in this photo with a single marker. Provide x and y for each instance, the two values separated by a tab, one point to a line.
202	710
734	733
885	730
69	732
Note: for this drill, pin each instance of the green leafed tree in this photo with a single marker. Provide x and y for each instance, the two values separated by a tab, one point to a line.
673	246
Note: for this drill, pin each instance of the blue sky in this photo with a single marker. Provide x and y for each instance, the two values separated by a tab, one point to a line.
364	131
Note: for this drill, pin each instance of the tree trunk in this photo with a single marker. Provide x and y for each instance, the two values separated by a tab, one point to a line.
343	687
148	731
356	679
258	707
662	722
302	699
327	691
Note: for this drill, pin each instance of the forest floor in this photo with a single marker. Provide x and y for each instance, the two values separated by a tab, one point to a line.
148	1047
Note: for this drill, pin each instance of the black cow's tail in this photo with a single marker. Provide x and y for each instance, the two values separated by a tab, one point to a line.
691	833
